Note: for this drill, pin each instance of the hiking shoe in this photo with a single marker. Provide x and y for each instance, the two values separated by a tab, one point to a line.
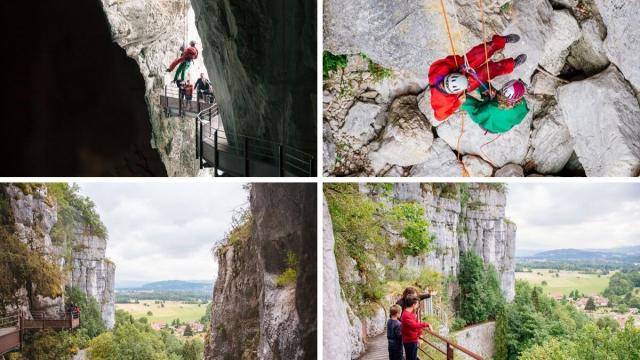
521	59
512	38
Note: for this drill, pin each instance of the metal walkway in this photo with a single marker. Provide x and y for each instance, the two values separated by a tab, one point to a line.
13	327
234	154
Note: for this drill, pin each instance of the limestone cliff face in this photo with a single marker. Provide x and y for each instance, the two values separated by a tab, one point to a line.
151	32
478	224
261	55
34	215
252	316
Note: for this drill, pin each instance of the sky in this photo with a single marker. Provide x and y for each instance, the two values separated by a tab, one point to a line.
569	215
161	231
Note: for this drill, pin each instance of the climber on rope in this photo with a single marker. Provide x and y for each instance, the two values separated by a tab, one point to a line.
184	61
501	113
450	78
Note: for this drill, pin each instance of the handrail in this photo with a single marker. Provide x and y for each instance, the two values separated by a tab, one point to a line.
450	347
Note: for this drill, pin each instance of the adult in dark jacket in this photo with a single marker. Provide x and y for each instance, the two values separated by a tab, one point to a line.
203	87
411	291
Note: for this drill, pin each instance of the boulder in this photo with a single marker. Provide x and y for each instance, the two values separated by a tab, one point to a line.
406	139
588	54
395	171
533	21
510	170
377	323
569	4
441	162
424	104
476	167
603	116
361	121
564	32
623	36
510	147
551	143
544	84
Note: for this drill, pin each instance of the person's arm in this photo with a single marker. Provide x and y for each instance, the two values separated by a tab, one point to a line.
412	323
396	332
425	296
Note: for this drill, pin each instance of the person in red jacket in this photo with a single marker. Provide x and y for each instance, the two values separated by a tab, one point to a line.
188	55
411	328
450	78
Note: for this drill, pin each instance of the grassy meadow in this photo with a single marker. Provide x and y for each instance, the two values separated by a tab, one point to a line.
172	310
589	284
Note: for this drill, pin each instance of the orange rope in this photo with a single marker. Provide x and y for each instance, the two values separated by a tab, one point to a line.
485	155
446	22
484	41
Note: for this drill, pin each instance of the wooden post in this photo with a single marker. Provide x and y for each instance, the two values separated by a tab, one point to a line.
449	352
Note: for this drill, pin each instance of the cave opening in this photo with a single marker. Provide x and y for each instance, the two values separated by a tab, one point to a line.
74	102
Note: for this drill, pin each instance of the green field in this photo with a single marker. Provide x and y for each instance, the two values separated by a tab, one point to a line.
568	281
172	310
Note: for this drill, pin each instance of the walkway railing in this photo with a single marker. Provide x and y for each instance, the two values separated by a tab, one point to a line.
172	100
13	326
446	347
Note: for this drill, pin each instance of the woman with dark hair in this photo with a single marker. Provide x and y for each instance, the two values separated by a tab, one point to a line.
411	291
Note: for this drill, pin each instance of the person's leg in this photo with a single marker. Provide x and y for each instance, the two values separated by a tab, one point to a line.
496	69
476	56
179	76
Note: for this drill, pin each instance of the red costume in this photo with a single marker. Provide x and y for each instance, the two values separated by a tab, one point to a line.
410	327
191	53
188	89
444	104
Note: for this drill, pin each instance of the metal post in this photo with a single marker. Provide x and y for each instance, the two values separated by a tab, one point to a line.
201	147
215	153
179	102
246	156
312	166
449	352
167	111
198	101
196	123
280	160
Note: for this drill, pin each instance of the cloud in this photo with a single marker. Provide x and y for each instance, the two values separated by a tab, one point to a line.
575	215
160	231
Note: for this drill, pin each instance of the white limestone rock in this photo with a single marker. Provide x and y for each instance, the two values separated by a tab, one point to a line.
361	121
603	116
589	54
565	32
476	167
406	139
623	36
510	170
551	143
441	162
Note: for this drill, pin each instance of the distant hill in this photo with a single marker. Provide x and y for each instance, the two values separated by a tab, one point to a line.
178	285
629	254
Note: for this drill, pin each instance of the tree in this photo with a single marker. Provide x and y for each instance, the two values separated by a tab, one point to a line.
90	315
192	350
149	313
188	331
480	292
502	349
590	306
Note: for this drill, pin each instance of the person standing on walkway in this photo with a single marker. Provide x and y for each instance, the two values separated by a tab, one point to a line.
394	337
411	291
411	328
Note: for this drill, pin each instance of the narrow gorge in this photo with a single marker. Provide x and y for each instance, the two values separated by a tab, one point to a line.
265	296
60	230
86	101
363	276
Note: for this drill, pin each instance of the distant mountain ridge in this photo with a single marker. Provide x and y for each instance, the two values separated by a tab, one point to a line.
620	254
172	285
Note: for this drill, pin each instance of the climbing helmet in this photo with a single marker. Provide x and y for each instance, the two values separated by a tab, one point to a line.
455	83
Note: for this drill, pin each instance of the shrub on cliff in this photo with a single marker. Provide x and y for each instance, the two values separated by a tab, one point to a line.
90	315
480	294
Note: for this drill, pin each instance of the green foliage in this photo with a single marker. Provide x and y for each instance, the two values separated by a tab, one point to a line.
381	188
135	340
206	318
501	335
590	306
533	318
290	274
480	294
90	316
331	62
378	72
241	226
506	7
52	345
28	267
193	350
590	343
607	323
188	331
74	209
410	218
622	289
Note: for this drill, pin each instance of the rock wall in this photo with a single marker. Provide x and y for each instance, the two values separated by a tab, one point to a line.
478	225
478	338
571	46
34	215
151	32
273	322
261	55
